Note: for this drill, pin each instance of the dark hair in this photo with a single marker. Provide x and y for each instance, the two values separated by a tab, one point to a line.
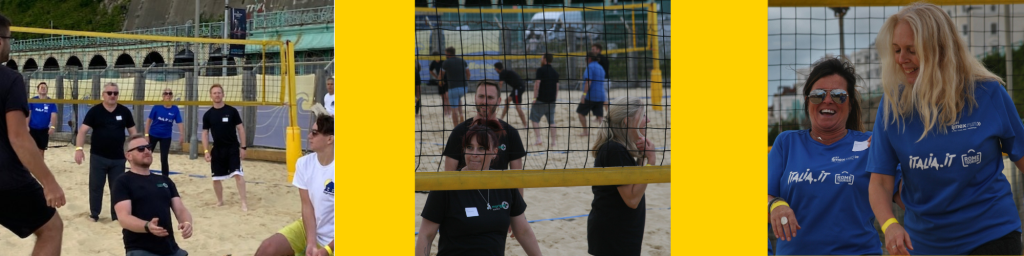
548	57
435	53
5	23
41	84
485	131
498	65
450	50
488	82
325	124
834	66
591	57
598	45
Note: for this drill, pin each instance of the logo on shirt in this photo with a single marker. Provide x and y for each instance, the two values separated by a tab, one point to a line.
925	163
502	206
329	187
957	127
163	119
971	158
502	147
162	185
808	176
844	177
836	159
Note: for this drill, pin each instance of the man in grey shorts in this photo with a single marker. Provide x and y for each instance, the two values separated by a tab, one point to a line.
545	89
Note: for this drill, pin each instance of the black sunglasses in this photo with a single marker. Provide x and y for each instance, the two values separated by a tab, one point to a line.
817	96
168	93
141	149
112	93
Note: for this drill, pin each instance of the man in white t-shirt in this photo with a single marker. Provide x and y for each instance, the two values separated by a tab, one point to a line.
329	97
314	176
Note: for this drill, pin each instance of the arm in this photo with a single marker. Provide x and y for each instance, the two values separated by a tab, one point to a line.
428	230
440	78
180	212
517	165
25	148
524	234
134	224
53	121
149	123
536	88
181	128
132	131
308	218
450	164
82	130
880	196
241	134
467	73
632	194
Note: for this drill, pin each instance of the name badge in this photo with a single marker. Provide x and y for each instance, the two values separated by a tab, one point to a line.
225	119
118	118
471	212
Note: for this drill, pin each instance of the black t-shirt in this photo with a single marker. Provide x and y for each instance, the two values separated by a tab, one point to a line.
417	73
221	123
12	89
512	79
603	60
108	130
455	72
150	196
511	147
435	66
548	83
467	226
612	227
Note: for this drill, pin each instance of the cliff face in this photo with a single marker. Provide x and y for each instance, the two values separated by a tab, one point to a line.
143	14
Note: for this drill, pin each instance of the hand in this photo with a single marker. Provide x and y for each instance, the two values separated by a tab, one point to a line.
786	231
510	231
155	229
51	131
54	194
186	229
897	240
207	157
313	250
79	156
181	142
647	147
241	154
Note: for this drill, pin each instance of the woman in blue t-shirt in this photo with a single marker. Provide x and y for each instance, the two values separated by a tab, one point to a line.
475	222
158	126
817	183
945	120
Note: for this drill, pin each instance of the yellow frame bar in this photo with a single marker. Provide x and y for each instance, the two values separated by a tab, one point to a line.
292	104
846	3
464	180
142	37
528	10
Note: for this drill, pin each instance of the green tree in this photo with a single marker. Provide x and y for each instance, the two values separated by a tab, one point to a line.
83	15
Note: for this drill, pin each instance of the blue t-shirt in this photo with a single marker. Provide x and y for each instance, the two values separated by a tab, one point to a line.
163	120
595	74
954	190
827	188
40	116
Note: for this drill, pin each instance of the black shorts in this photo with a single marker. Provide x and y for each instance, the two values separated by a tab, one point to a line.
442	89
225	163
516	95
25	209
591	106
41	136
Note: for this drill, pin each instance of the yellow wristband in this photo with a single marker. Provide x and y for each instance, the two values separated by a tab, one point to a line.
777	204
147	135
78	148
206	151
328	248
888	222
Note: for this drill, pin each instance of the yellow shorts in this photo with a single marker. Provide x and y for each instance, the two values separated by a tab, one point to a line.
296	235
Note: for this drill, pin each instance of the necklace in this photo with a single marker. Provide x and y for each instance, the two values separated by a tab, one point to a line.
487	199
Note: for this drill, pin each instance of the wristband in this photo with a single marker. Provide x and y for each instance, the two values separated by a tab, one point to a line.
52	127
78	148
328	248
887	223
147	228
777	204
206	151
147	135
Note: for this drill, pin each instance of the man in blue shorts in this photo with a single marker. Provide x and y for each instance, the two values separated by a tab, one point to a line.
455	74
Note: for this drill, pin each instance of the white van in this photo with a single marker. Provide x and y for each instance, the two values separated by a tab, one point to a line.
552	26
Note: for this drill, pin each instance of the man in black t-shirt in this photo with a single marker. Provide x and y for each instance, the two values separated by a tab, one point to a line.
510	149
108	121
144	202
455	75
545	89
28	208
225	158
435	74
511	78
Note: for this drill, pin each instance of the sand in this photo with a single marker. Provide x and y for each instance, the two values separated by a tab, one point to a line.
273	203
566	236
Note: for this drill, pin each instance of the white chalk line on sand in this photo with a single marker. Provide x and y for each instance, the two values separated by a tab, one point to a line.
578	216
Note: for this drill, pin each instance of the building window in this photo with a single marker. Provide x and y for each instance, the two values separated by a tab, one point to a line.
993	8
965	29
994	26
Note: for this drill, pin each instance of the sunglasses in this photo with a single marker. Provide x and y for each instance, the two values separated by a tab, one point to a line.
112	93
141	149
317	133
168	93
817	96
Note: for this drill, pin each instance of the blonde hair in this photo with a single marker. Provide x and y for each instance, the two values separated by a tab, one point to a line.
615	128
946	75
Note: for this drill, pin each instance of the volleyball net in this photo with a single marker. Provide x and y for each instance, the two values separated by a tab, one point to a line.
150	70
633	37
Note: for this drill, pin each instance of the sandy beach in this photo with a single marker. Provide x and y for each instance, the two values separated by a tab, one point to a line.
273	203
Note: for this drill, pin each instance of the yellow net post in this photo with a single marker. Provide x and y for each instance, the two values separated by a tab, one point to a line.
656	72
293	145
